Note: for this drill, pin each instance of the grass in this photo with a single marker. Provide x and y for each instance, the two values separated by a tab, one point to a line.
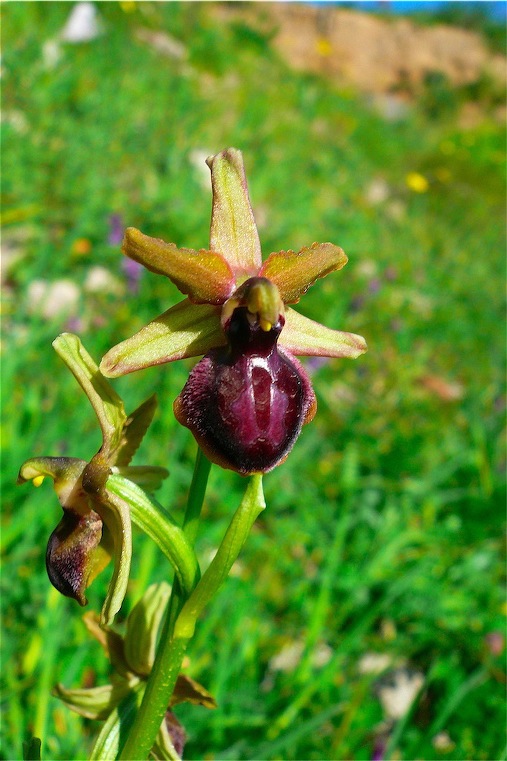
383	532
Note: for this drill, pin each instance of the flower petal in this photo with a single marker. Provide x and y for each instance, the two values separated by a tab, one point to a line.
204	276
170	741
66	473
308	338
134	429
294	273
185	330
116	516
233	230
245	404
148	477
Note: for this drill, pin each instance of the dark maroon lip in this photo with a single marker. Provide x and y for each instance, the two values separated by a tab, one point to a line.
70	550
246	403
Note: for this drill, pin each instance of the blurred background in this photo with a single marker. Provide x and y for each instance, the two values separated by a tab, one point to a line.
366	616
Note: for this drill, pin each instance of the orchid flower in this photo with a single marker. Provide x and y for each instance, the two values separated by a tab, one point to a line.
96	523
248	398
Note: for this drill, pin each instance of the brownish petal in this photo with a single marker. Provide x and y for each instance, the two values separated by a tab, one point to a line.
294	273
204	276
187	690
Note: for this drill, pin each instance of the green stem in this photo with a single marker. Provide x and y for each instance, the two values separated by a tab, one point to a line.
183	611
196	496
230	547
170	652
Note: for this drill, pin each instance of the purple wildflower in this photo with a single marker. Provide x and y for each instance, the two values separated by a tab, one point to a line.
116	228
133	272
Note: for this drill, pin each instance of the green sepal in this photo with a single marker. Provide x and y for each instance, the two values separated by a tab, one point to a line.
251	505
94	702
233	230
185	330
304	337
151	518
143	625
105	401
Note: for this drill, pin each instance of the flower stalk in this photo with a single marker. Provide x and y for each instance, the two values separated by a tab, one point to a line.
176	635
169	653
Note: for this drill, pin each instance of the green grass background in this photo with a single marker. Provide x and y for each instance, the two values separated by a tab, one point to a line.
384	529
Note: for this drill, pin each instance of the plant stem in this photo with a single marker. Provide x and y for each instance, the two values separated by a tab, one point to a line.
183	610
196	496
170	652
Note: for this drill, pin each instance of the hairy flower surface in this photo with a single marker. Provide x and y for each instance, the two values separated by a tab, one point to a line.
247	399
96	523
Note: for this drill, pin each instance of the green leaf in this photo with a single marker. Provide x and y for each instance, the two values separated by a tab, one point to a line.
252	504
105	401
151	518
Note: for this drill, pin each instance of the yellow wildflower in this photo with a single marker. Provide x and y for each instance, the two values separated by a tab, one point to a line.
417	182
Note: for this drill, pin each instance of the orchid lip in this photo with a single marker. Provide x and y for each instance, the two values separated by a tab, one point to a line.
246	403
